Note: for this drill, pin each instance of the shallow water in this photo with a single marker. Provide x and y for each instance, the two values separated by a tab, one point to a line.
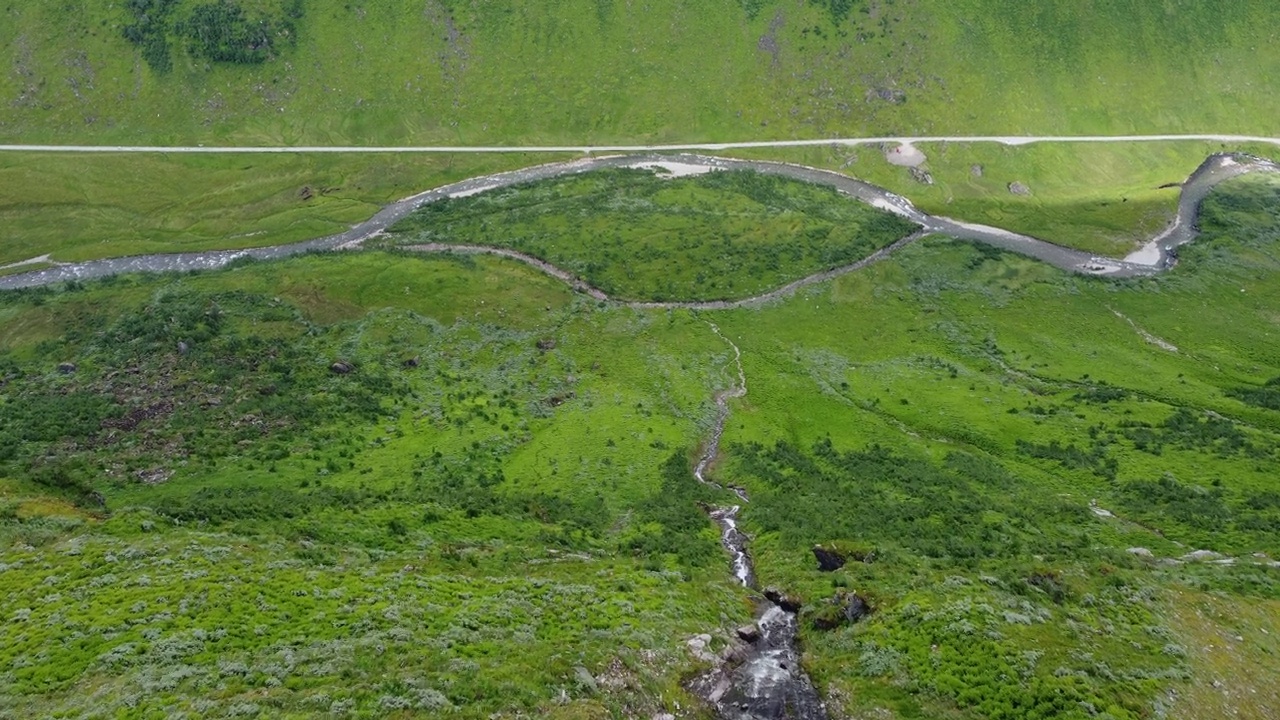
1150	260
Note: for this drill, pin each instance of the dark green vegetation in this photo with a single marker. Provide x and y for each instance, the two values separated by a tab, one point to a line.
350	484
634	235
574	71
220	31
380	483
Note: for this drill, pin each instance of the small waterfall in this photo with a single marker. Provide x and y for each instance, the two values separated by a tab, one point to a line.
765	681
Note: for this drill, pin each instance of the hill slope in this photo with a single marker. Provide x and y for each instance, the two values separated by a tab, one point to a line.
449	71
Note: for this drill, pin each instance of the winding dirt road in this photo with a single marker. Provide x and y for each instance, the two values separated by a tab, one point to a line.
679	147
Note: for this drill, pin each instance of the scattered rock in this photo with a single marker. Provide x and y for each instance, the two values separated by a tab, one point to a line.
66	368
306	192
411	362
183	347
584	679
1140	552
698	647
341	367
137	415
734	653
561	398
664	716
1018	188
844	609
976	171
921	175
857	608
749	633
833	556
546	344
892	96
829	559
769	41
790	603
1202	555
155	476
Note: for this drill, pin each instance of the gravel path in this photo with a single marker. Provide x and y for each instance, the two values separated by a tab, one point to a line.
899	139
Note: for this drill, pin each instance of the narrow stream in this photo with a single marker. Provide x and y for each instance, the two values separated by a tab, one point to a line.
1154	257
766	681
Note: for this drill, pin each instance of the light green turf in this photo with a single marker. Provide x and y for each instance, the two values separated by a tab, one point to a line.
603	70
640	236
567	425
82	208
1106	198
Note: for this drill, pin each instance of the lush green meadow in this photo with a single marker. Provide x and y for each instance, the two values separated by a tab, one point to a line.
580	71
76	207
1106	198
381	484
1001	435
638	235
207	517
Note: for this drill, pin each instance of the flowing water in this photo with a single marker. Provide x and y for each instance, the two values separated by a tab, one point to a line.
767	681
1157	255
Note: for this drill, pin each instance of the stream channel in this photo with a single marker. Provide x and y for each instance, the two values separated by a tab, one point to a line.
1155	256
766	681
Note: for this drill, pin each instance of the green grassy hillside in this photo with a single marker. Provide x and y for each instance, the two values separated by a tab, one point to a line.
446	71
640	236
376	484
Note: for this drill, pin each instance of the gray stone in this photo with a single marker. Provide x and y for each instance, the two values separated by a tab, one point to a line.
584	679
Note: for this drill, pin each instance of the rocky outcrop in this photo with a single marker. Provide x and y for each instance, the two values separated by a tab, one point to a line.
921	175
846	608
829	559
833	556
786	601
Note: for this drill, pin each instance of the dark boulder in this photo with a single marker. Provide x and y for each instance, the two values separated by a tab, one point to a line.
749	633
921	175
856	608
66	368
546	344
341	367
412	362
846	608
829	559
786	601
833	556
